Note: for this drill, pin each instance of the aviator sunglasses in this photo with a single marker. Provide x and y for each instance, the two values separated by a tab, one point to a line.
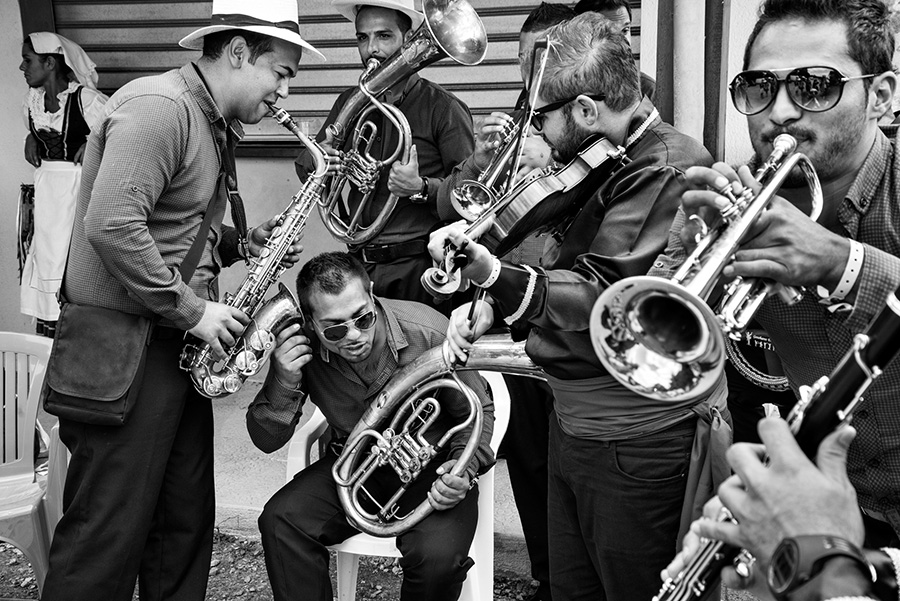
814	89
339	330
539	114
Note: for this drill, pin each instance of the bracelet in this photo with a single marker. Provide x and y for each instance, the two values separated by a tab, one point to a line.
526	300
894	554
848	278
495	273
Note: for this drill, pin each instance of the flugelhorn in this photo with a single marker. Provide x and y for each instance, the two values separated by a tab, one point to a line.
451	29
824	406
658	336
213	378
408	407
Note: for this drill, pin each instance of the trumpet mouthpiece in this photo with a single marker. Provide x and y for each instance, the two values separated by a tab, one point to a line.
784	144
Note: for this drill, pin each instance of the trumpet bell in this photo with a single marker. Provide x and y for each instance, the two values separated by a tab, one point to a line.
657	339
472	199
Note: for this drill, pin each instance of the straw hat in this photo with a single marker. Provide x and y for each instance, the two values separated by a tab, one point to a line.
349	8
274	18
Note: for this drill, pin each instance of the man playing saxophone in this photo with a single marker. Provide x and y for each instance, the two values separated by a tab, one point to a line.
351	344
821	71
441	129
618	463
139	497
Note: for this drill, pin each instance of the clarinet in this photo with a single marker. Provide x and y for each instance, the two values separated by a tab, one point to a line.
823	407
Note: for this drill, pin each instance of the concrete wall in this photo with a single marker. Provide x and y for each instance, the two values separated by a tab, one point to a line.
267	185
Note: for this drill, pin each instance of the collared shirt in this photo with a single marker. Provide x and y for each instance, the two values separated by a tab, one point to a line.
810	340
441	127
334	387
150	168
619	232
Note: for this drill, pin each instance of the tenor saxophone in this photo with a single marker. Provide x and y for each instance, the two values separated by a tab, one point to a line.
217	378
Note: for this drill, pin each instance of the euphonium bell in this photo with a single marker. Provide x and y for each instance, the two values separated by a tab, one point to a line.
658	336
451	29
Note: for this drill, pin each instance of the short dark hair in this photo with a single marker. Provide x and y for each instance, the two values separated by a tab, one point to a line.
330	273
545	15
586	6
404	22
591	56
257	43
870	37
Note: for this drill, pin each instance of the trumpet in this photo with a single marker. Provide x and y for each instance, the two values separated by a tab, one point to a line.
658	336
407	400
452	29
824	406
472	198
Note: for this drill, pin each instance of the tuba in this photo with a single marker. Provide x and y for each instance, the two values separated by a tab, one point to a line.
216	379
451	28
658	337
396	424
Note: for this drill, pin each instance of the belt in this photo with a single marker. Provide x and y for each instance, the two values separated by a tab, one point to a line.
161	333
385	253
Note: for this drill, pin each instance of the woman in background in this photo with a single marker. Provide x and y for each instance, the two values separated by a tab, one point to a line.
61	107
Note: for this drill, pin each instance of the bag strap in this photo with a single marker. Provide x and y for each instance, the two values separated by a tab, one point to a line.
192	258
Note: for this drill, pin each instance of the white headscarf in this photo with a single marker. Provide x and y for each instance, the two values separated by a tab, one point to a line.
84	68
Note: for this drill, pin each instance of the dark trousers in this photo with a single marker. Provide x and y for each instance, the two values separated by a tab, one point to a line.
525	448
305	516
614	512
139	499
401	279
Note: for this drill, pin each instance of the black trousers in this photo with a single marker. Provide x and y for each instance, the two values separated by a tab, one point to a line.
525	448
139	499
401	279
305	516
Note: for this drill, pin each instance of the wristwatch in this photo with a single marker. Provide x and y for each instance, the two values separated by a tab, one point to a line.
798	559
421	195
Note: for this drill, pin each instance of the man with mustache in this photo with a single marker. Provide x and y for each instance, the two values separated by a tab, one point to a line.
618	463
442	137
820	70
349	347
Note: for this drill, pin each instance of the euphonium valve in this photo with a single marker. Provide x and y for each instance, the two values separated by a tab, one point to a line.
658	336
213	378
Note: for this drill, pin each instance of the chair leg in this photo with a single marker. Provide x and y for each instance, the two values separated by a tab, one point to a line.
347	572
37	551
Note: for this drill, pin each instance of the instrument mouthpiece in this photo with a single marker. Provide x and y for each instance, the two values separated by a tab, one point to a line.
784	144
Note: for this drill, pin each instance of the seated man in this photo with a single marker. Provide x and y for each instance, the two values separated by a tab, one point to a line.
360	341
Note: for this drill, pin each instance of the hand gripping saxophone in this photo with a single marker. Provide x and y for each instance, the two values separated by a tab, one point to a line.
214	378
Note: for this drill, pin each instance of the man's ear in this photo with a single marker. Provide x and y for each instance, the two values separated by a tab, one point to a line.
585	110
237	51
881	94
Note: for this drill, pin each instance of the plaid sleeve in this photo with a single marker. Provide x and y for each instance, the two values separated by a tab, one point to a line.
274	413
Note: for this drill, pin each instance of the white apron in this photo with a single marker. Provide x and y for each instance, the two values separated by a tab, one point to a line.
56	186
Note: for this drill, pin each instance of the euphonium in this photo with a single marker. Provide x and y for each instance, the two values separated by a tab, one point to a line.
214	378
658	337
407	402
451	28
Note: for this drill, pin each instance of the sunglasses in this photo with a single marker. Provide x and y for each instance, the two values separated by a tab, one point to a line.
813	89
339	330
539	114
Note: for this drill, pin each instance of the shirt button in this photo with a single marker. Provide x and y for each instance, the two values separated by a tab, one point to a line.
861	414
863	202
873	463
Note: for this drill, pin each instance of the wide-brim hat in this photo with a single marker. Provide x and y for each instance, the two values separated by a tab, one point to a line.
274	18
349	8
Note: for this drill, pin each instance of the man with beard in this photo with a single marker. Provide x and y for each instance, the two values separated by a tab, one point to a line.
350	346
820	70
617	461
442	137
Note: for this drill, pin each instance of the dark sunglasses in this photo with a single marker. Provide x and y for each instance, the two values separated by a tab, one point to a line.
539	114
814	89
339	330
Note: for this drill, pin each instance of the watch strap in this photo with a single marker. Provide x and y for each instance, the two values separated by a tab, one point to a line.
798	559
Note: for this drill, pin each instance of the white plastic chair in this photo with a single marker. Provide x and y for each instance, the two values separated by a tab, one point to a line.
479	584
23	519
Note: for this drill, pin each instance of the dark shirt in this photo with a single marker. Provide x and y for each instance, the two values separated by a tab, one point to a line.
620	231
811	340
441	127
334	387
136	218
